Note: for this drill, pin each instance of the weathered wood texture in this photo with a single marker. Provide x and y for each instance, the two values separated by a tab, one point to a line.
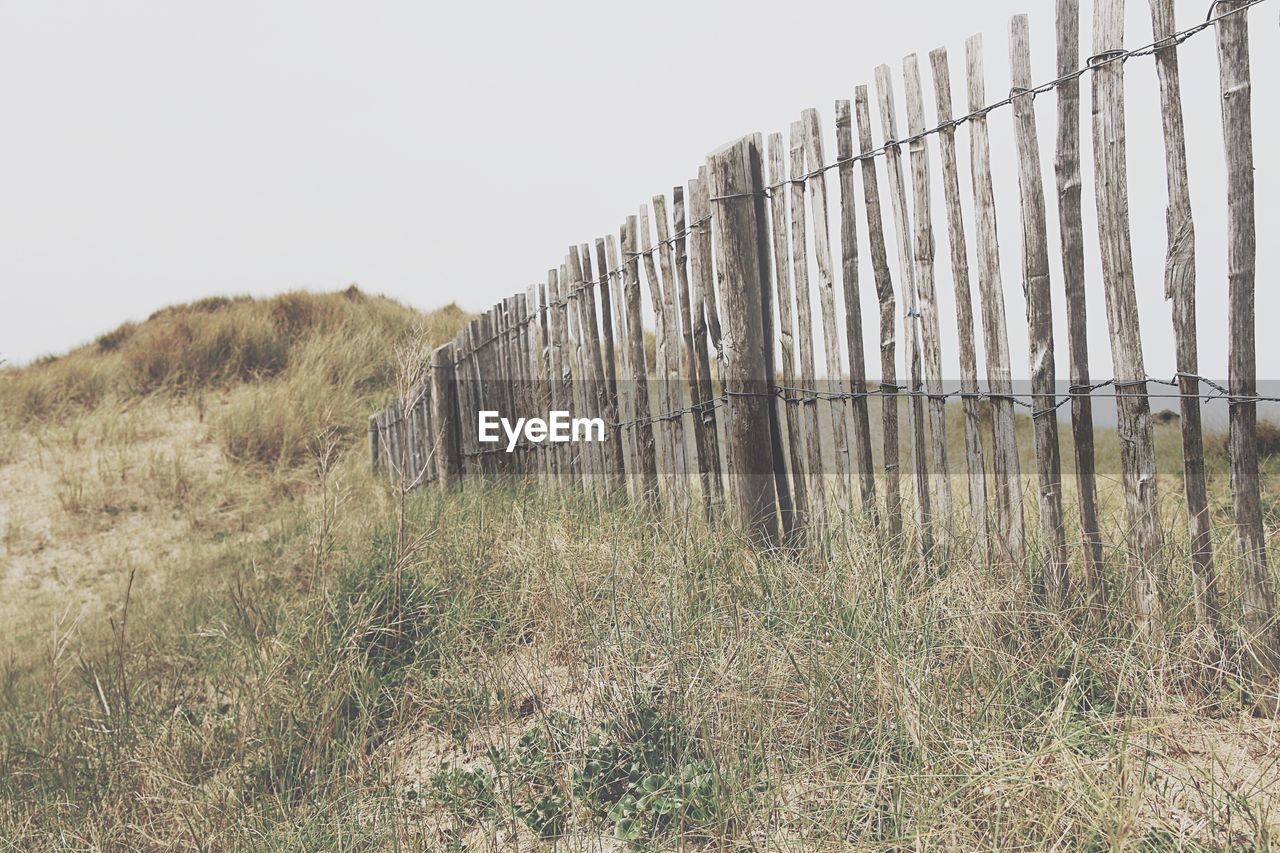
672	385
930	327
975	456
888	318
1137	447
623	398
1180	289
609	451
861	420
807	370
1071	236
703	290
1039	301
816	184
578	342
1258	594
737	231
444	414
665	432
911	314
1006	467
704	451
786	332
646	473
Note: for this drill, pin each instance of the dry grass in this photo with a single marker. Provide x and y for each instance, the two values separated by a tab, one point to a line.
526	668
236	638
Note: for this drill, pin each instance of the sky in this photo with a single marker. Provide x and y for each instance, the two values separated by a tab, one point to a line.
159	152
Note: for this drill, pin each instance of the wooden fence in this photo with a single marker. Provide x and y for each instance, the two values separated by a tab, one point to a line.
727	413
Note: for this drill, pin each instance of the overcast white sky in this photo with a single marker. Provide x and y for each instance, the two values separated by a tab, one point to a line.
157	152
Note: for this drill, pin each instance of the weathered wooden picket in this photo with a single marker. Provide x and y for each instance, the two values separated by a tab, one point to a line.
727	260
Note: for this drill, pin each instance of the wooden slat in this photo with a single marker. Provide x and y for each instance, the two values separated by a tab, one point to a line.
373	443
704	450
520	371
1180	289
861	420
594	397
475	335
1256	587
926	291
807	371
1071	231
1137	448
536	383
490	381
703	289
646	455
735	184
548	393
462	380
1039	301
412	434
504	461
511	306
562	392
888	317
601	355
1006	468
589	459
472	374
609	353
623	397
975	456
906	263
777	453
665	433
672	387
786	334
838	409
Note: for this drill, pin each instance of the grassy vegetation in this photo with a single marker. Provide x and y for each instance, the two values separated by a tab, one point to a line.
297	369
522	668
305	662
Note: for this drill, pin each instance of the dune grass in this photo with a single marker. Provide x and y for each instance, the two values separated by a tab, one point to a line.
524	668
299	369
327	667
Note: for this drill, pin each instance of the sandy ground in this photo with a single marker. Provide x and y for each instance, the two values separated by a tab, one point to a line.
87	501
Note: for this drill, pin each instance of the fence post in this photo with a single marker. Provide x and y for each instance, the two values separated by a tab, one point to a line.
902	224
816	183
853	309
373	443
888	317
705	451
1005	464
608	452
1035	277
735	183
1180	288
1137	449
703	309
642	423
1071	231
975	456
669	448
1237	126
786	335
807	371
926	292
622	367
444	417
